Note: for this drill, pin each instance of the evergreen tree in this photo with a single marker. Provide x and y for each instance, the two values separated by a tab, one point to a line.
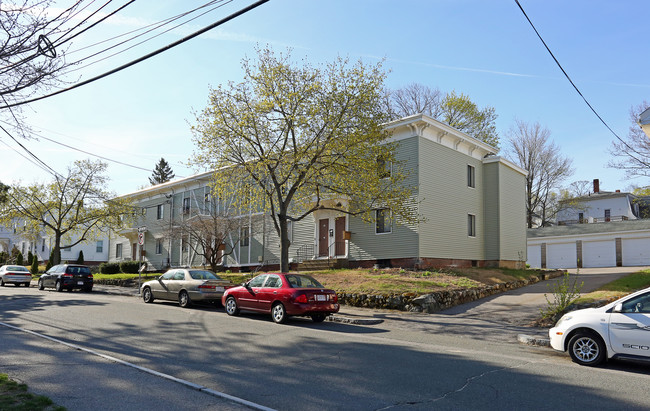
34	267
30	256
162	173
19	258
80	259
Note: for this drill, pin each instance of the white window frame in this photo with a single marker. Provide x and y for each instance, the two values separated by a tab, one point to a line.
471	225
99	247
159	246
160	211
118	250
471	176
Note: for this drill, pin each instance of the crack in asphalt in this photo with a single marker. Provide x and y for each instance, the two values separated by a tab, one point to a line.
467	383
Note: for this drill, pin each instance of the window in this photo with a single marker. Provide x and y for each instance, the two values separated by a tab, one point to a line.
273	281
383	221
471	176
581	218
118	250
184	244
100	246
383	168
207	197
159	211
638	304
43	246
144	211
258	281
159	243
186	205
608	214
244	236
471	225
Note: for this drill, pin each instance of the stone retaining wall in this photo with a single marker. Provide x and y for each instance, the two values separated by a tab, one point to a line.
439	300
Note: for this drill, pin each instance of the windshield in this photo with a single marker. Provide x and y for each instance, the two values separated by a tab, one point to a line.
303	281
203	275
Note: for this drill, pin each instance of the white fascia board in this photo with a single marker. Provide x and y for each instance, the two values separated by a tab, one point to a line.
195	181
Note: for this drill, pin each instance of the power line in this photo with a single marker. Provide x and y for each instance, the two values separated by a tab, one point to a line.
143	58
569	78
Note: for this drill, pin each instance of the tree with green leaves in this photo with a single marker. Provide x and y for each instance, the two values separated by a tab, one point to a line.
458	111
292	139
77	206
80	259
162	173
3	192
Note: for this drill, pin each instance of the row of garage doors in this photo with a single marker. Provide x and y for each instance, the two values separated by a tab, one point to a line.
595	253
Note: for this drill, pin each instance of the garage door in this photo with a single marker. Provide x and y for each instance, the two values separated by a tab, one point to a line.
635	251
561	255
599	253
534	256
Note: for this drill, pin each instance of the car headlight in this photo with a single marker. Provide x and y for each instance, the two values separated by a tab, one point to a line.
565	317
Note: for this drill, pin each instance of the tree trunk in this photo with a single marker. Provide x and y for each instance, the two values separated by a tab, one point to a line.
56	251
284	245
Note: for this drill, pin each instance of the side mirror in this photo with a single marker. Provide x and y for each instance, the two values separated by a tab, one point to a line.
618	308
246	284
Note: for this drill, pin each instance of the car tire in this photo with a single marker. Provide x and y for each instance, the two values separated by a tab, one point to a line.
58	286
184	299
318	318
231	306
2	282
40	285
279	313
587	348
147	295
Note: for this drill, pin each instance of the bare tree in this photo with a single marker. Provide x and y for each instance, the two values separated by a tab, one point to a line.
32	51
529	147
632	154
415	98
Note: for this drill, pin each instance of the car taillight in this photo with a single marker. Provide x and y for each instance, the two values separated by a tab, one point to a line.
334	298
90	276
302	298
207	287
67	275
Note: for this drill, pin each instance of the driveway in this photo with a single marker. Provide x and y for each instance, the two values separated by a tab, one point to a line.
500	317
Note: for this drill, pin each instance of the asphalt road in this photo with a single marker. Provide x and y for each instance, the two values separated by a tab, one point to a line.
407	362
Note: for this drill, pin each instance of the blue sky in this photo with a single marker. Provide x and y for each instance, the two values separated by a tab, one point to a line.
484	49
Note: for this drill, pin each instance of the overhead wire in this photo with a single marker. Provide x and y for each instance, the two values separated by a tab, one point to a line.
571	81
143	58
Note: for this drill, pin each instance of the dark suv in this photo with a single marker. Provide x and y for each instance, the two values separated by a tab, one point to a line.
68	277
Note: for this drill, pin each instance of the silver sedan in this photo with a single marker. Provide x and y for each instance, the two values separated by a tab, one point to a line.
15	274
186	286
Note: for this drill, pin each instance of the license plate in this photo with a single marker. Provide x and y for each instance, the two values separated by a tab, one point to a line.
218	288
320	297
80	283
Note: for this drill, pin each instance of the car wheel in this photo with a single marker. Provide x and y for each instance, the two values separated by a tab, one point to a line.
2	283
184	299
587	348
318	318
147	295
231	306
279	313
40	285
58	286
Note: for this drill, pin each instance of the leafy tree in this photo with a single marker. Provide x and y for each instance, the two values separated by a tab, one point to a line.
458	111
530	148
162	173
632	154
289	140
3	192
80	259
30	256
28	64
76	205
34	268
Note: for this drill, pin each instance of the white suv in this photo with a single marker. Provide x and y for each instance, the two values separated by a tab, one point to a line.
618	329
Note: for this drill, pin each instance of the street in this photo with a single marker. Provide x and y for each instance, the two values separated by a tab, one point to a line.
402	363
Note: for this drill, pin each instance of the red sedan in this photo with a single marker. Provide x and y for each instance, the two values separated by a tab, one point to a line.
282	296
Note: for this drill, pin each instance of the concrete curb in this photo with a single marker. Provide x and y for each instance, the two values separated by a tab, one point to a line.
356	321
536	341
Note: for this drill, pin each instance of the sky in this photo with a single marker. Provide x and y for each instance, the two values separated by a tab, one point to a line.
486	50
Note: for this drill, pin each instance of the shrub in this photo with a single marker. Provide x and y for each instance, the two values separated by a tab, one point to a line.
48	265
80	259
3	257
130	267
30	257
19	259
109	268
34	268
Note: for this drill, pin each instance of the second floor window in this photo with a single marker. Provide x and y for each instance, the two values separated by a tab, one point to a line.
245	236
100	246
608	214
471	176
159	243
186	205
383	168
471	225
159	212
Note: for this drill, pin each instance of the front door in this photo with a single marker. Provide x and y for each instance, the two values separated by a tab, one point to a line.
323	237
339	229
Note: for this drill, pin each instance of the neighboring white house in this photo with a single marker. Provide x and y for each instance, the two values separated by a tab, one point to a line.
472	201
602	229
95	251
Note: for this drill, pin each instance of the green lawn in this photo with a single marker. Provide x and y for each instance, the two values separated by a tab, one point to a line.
14	396
618	288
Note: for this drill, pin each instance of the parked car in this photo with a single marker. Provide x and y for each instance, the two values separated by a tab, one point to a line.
185	286
67	277
15	274
282	295
620	329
